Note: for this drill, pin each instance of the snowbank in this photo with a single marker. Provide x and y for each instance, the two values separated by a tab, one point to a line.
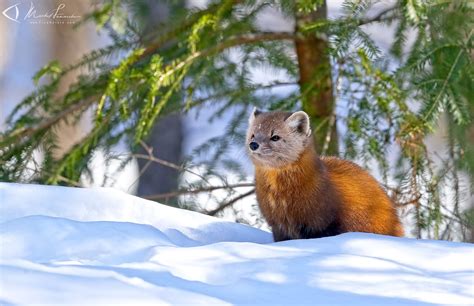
70	246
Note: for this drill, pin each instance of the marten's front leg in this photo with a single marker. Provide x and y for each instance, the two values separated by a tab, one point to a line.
306	232
280	234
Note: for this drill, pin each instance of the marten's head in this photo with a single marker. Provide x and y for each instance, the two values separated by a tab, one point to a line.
277	139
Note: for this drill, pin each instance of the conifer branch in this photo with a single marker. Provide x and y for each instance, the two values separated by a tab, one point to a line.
81	105
48	123
445	83
187	23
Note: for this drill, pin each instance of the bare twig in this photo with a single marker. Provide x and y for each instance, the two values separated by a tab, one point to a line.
195	191
150	157
168	164
452	155
409	202
332	118
378	17
327	139
142	171
229	203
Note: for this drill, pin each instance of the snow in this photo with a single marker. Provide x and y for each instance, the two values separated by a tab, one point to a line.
71	246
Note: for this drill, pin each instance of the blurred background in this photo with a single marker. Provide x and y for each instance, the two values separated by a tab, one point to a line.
373	75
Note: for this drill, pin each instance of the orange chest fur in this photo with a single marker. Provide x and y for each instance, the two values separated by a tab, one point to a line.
284	195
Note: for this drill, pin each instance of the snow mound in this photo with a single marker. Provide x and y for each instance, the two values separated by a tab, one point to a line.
70	246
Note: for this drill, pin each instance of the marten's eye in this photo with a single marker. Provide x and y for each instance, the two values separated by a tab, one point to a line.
275	138
252	136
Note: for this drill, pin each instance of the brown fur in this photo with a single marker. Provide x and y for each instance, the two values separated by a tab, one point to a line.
315	196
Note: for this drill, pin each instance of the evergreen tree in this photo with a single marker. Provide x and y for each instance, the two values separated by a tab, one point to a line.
206	57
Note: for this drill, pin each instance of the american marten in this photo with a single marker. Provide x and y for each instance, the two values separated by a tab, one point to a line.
303	195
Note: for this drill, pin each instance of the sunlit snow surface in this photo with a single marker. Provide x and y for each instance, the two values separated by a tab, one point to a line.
68	246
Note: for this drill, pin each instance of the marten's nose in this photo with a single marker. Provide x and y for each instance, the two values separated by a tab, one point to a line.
253	146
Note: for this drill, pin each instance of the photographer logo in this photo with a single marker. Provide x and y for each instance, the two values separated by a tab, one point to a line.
38	16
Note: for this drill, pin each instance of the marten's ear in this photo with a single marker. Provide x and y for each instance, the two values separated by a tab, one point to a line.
254	114
299	121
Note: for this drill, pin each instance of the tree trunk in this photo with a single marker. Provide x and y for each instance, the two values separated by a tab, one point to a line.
316	82
167	135
67	46
4	59
166	140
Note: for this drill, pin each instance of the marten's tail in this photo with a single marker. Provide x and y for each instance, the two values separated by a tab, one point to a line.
398	230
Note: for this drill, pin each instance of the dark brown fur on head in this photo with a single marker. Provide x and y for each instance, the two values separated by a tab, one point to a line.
281	137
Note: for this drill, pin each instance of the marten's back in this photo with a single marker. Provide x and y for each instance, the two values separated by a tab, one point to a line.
365	207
